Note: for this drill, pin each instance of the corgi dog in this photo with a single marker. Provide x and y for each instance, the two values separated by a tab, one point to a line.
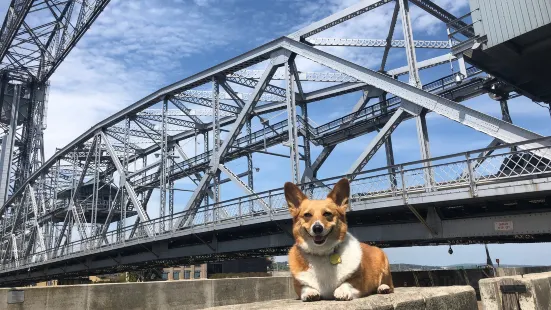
326	261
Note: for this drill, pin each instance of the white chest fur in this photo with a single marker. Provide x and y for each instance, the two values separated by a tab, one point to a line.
326	277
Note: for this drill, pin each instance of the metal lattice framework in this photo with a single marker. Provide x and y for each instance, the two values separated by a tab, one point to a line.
35	38
93	196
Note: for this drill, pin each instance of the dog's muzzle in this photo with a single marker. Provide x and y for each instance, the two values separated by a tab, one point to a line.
319	237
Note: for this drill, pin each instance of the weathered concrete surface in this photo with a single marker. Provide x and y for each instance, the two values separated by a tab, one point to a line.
197	294
428	278
412	298
537	296
514	271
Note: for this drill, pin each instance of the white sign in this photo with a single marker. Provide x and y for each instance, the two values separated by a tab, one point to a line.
503	226
16	296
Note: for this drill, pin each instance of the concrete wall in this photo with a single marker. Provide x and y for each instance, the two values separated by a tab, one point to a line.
502	272
427	278
196	294
537	295
241	293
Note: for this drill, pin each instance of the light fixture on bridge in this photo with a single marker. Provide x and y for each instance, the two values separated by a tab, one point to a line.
450	250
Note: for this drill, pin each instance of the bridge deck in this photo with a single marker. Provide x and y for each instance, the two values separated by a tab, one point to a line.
510	187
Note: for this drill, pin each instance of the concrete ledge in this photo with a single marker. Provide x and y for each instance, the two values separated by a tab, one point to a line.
537	295
414	298
196	294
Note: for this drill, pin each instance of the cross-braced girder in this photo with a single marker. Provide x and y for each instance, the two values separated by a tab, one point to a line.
37	35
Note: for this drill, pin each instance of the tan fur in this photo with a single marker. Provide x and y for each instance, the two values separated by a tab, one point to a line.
374	268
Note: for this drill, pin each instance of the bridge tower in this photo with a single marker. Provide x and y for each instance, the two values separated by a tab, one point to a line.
35	38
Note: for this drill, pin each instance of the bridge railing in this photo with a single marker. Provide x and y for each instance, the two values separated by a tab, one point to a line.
505	163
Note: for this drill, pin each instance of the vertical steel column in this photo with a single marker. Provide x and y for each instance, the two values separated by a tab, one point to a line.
170	202
306	143
388	147
206	149
97	185
462	67
122	221
505	115
125	166
410	47
6	157
215	145
390	35
505	111
3	88
306	138
423	138
27	135
292	123
163	172
250	158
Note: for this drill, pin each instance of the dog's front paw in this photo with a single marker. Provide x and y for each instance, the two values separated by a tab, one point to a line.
346	292
383	289
309	294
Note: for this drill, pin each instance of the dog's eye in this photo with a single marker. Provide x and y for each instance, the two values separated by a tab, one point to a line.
307	215
328	214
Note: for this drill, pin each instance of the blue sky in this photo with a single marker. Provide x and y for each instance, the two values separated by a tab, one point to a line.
136	47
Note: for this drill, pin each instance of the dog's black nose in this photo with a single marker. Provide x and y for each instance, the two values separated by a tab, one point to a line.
317	229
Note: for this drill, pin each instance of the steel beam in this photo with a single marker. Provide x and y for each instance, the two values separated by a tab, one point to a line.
447	108
443	15
337	18
292	122
169	120
377	43
335	90
186	111
324	154
376	143
197	195
144	217
15	15
388	40
244	186
414	78
424	64
6	157
163	166
36	212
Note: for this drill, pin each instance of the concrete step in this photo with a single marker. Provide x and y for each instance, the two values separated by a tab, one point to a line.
422	298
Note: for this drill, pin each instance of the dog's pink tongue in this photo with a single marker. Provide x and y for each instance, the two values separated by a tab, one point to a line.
318	238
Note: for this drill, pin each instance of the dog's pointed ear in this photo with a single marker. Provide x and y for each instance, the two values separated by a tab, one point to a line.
340	193
294	197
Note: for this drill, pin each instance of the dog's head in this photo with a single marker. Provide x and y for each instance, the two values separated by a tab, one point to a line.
318	225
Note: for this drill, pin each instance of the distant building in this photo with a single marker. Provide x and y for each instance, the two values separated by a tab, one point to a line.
187	272
68	281
247	265
192	272
204	271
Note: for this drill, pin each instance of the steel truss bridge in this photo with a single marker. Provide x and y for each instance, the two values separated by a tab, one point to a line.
56	215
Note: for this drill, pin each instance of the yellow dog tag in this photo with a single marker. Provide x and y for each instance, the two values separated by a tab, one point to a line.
335	259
